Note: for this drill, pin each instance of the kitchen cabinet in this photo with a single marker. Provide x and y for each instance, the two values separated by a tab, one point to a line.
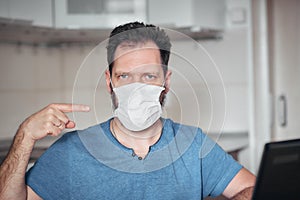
97	13
284	24
37	12
195	13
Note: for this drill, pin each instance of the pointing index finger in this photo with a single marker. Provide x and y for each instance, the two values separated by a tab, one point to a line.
72	107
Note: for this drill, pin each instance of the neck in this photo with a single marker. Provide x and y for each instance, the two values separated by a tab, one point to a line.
139	141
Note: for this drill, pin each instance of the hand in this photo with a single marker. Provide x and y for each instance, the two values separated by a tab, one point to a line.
51	120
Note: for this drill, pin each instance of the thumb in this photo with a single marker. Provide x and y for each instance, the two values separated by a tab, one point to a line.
70	124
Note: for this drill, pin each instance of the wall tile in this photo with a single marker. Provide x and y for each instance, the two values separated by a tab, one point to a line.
15	108
17	69
47	63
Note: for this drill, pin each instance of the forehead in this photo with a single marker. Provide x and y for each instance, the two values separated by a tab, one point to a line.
133	46
130	56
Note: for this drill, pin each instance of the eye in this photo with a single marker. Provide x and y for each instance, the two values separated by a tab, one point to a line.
123	76
150	76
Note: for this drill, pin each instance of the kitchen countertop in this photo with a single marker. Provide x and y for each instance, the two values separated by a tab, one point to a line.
231	141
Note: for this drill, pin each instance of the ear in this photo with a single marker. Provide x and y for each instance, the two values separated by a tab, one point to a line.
168	81
107	79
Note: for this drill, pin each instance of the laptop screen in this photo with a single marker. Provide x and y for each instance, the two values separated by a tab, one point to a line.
279	172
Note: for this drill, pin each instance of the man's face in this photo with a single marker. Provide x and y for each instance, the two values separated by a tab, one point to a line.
141	63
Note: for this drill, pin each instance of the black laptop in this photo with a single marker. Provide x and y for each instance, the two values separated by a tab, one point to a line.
279	172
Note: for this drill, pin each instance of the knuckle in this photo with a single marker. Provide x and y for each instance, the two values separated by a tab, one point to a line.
51	110
65	120
48	125
50	118
52	105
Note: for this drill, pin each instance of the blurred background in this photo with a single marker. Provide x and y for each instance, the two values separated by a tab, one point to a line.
236	64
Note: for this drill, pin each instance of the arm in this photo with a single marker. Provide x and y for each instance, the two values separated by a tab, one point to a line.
12	170
49	121
241	186
244	194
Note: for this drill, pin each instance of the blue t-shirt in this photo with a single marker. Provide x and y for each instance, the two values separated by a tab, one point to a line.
91	164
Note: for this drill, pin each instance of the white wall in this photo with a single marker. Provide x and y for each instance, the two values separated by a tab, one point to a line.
31	78
211	68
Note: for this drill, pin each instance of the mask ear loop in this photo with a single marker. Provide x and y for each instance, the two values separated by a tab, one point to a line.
111	85
113	95
164	85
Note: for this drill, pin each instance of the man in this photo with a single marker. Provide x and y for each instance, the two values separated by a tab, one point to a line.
134	155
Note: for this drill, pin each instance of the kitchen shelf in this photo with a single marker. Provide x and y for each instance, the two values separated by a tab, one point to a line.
23	32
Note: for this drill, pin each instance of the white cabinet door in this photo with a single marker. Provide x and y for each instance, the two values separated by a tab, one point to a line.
97	13
284	27
197	13
37	11
4	5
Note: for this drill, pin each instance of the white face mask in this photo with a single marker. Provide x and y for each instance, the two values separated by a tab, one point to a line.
138	105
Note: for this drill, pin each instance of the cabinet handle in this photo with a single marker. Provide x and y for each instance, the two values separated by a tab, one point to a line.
282	110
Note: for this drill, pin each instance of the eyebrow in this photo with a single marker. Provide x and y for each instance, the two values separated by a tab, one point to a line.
130	72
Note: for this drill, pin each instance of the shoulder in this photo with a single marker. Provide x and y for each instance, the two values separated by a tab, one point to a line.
71	141
182	133
175	127
75	135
